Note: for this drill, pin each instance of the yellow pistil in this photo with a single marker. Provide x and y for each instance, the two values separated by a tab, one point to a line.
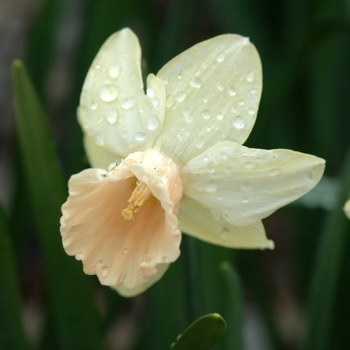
137	199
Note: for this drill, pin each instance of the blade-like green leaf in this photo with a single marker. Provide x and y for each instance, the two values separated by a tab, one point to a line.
11	331
325	279
232	300
202	334
76	316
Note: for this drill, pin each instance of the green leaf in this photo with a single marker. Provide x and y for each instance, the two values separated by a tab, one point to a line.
11	331
202	334
75	313
232	300
325	279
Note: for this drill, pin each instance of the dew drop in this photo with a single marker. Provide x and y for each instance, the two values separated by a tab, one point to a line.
108	93
187	114
112	115
224	232
114	70
195	82
128	103
94	105
206	114
239	123
181	96
100	138
219	197
97	67
169	101
251	111
220	86
240	102
104	271
112	166
232	91
220	116
210	187
152	122
253	91
221	56
140	136
250	77
126	250
245	200
155	103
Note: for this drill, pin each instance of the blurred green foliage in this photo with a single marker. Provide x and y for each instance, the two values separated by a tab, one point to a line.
305	52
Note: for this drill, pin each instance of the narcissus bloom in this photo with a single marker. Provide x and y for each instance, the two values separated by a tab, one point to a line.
347	209
172	160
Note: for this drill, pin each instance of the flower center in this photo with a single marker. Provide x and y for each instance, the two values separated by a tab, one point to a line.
137	199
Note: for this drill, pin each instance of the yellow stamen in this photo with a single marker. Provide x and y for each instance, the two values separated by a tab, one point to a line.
137	199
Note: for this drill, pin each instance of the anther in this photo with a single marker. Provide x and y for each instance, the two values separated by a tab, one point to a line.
137	199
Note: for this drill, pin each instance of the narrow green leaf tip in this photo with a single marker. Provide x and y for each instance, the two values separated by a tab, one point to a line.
202	334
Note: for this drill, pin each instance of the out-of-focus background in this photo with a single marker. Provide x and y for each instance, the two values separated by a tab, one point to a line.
295	297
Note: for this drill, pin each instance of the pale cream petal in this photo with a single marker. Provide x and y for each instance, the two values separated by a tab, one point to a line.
128	293
347	209
114	109
99	156
243	185
199	222
213	92
120	251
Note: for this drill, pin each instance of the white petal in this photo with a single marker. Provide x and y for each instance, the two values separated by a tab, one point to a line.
114	109
213	92
347	209
128	293
99	156
198	221
244	185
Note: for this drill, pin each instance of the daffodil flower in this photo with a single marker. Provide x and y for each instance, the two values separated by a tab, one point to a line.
172	160
347	209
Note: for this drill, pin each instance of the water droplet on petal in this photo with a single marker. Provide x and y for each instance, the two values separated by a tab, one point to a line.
114	70
128	103
97	67
239	123
224	232
221	56
240	102
195	82
232	91
187	114
220	116
181	96
169	101
206	114
152	122
112	166
245	200
220	86
210	187
100	138
94	105
251	111
126	250
104	271
250	77
219	197
108	93
140	136
112	115
253	91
